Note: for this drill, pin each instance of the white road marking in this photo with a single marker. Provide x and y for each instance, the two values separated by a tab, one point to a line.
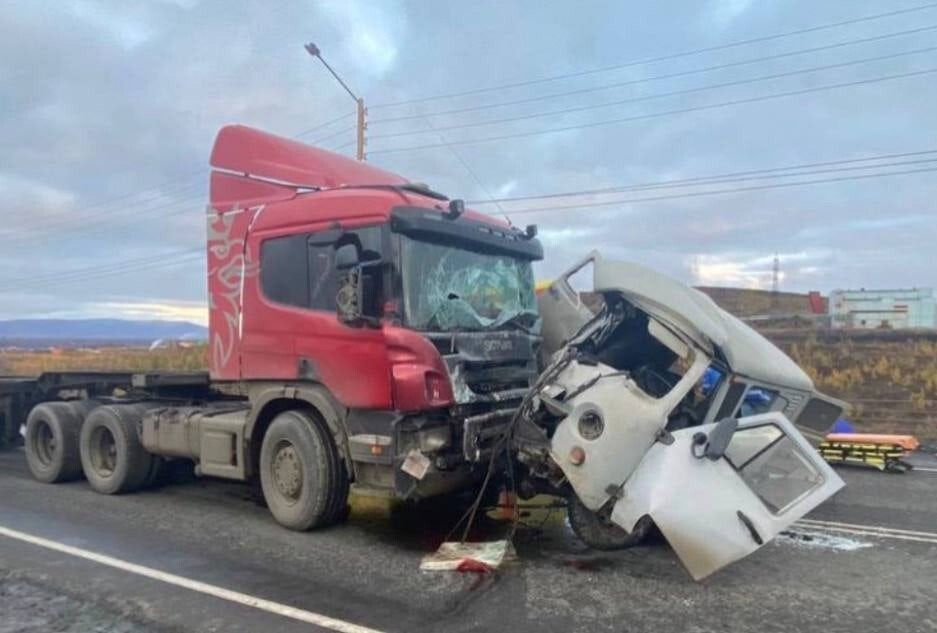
924	470
859	526
866	530
193	585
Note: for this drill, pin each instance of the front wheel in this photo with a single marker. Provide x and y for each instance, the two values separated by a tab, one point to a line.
598	532
301	473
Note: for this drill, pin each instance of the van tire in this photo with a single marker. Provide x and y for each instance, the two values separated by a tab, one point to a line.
600	533
304	482
112	457
51	439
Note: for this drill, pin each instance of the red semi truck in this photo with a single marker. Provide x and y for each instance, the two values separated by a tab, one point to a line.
363	328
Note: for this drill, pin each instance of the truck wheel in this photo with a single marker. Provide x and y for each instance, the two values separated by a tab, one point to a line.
302	476
112	456
600	533
51	440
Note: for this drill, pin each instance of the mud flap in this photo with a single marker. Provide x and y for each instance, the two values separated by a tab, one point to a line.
716	511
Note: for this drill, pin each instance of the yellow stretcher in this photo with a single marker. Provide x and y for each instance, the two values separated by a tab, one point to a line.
885	452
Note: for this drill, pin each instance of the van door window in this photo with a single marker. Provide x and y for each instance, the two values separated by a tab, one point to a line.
759	400
772	465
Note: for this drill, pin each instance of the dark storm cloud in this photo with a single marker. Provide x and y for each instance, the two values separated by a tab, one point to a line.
104	98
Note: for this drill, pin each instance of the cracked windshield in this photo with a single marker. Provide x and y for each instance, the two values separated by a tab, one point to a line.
447	288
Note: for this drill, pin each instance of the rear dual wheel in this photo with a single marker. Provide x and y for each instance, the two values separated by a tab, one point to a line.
302	476
51	439
112	457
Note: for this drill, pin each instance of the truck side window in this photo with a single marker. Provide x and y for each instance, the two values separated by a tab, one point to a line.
323	283
323	277
284	270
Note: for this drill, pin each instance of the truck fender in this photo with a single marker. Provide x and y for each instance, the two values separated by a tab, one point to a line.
269	399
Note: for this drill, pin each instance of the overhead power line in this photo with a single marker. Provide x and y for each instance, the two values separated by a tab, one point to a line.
68	227
716	192
81	224
80	216
324	125
631	82
189	177
163	260
711	106
120	267
660	58
737	176
661	95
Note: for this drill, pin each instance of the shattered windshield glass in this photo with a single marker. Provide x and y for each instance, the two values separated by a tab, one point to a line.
447	288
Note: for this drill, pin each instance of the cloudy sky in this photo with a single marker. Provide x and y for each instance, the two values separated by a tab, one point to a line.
109	110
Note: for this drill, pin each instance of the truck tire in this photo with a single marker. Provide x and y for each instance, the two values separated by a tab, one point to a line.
52	430
302	476
112	457
599	533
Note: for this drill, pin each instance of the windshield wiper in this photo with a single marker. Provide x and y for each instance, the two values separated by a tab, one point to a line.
517	321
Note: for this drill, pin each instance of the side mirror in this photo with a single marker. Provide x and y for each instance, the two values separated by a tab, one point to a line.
720	437
346	257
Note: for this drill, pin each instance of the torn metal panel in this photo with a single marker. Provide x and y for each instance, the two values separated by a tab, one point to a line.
698	316
595	463
715	512
496	366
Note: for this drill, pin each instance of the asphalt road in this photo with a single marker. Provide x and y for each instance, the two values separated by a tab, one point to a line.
868	562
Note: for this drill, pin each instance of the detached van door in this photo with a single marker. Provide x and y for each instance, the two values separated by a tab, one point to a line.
714	511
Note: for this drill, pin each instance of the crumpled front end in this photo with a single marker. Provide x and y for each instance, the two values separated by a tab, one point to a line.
627	421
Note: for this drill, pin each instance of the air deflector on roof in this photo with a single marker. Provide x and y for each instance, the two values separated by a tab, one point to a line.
245	150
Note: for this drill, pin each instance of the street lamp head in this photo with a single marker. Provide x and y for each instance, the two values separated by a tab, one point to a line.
312	49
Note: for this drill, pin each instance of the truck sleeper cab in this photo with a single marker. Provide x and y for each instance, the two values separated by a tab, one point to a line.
363	329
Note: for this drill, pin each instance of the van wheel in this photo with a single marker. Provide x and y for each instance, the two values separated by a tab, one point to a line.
112	457
599	532
301	474
52	430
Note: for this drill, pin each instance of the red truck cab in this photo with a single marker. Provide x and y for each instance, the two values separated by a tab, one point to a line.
416	317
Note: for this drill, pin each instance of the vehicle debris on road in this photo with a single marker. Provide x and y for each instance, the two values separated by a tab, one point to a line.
468	557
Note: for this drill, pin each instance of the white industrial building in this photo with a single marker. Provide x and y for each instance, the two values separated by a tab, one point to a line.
895	309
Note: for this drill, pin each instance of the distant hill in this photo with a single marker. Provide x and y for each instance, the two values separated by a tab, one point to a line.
99	330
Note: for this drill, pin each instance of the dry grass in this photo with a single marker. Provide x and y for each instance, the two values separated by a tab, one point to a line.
889	379
34	362
745	302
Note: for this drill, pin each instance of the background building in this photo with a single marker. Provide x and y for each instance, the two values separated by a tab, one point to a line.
870	309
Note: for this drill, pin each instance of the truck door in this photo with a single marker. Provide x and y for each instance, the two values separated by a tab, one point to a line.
716	510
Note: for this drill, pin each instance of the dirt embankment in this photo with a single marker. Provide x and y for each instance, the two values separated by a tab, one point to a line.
888	377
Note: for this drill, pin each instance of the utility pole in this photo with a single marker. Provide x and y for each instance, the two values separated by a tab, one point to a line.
775	280
362	112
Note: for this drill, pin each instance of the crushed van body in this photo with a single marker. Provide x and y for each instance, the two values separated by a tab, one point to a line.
658	408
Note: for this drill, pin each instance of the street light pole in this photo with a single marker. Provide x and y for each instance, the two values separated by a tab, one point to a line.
362	112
